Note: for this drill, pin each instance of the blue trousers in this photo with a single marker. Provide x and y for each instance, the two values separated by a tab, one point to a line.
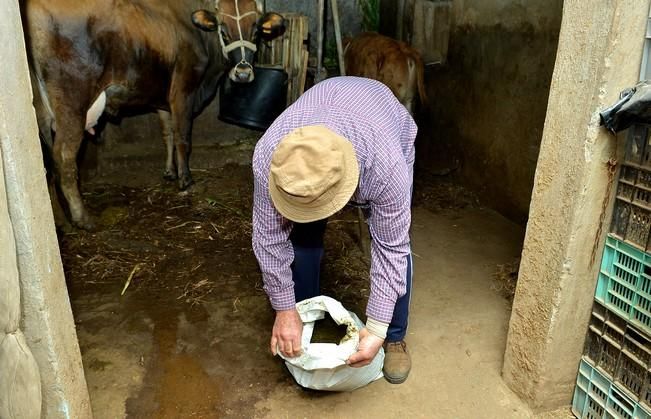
307	240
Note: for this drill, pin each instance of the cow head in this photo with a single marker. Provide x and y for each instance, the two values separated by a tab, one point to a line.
241	27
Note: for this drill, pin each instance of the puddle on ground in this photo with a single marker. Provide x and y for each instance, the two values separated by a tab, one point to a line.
176	385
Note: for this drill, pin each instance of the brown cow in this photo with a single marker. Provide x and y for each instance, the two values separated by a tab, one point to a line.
392	62
95	56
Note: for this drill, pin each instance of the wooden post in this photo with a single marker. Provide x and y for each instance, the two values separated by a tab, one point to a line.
320	73
408	20
301	86
340	49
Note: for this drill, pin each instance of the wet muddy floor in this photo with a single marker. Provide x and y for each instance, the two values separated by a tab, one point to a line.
172	320
168	298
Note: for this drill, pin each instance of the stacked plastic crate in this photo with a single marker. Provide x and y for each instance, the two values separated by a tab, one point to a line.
614	377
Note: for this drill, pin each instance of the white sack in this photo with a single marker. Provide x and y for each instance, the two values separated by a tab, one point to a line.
322	366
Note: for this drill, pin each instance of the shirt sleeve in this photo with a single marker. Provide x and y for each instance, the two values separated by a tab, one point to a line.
409	132
389	221
272	246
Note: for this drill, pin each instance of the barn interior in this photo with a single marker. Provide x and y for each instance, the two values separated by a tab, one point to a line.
166	293
169	309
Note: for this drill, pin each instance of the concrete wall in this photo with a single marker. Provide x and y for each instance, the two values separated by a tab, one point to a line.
599	55
488	102
20	382
46	316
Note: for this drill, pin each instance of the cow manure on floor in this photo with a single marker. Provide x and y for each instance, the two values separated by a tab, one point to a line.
112	216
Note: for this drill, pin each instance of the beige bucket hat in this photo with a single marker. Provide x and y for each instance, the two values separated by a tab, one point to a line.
313	174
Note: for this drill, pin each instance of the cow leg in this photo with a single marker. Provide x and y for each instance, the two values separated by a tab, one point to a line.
182	124
60	220
185	83
167	128
70	133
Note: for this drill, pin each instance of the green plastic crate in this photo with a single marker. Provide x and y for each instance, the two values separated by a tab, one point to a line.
596	397
622	354
624	284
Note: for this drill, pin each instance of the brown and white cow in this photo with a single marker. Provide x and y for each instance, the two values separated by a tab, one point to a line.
389	61
94	56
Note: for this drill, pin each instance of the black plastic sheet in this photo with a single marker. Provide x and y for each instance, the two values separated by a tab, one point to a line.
633	107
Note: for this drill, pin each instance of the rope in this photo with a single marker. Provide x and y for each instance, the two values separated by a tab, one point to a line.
241	43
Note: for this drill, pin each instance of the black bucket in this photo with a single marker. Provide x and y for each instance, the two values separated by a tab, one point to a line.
257	104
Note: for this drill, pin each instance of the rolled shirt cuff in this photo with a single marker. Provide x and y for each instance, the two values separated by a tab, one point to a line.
381	307
282	300
377	328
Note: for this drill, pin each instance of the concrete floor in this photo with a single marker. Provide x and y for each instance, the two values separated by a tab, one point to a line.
161	363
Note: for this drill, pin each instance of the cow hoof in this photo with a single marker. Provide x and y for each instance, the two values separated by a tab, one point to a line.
169	175
65	227
185	183
86	223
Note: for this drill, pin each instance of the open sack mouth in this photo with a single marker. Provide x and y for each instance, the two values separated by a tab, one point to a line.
322	366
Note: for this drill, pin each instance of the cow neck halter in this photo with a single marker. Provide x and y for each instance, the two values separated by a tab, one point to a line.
240	43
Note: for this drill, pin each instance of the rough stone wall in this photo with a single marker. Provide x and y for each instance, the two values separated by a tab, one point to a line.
46	318
488	102
20	383
599	55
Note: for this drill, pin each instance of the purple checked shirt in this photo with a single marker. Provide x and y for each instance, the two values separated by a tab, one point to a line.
382	133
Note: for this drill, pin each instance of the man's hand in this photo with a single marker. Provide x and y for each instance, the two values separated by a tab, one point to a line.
368	347
287	333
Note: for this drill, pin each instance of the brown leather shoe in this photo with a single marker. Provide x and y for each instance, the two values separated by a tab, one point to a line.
397	362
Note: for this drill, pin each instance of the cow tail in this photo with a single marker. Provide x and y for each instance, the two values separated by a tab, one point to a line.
43	108
420	80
